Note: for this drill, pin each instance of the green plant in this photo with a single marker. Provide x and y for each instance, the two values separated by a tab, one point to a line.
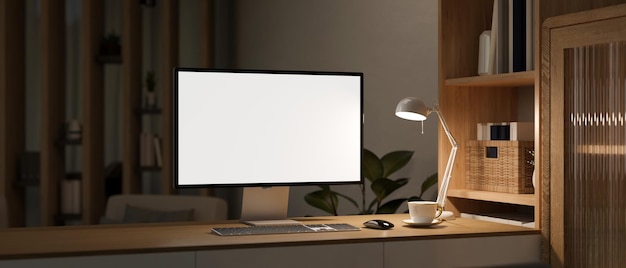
150	81
377	171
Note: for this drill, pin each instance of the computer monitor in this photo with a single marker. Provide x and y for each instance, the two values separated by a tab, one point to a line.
266	131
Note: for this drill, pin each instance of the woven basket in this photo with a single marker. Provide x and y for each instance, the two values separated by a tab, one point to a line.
500	166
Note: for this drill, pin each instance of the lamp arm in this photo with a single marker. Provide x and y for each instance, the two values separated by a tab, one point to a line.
443	190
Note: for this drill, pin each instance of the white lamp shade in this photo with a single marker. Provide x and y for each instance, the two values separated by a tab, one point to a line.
411	108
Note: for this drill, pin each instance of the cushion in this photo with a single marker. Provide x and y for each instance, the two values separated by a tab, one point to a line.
135	214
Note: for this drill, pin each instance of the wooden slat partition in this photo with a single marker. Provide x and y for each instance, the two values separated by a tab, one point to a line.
12	94
207	33
169	54
93	111
53	106
131	90
207	46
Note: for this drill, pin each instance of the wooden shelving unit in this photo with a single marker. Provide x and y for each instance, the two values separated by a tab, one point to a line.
53	96
466	98
12	102
518	79
52	107
516	199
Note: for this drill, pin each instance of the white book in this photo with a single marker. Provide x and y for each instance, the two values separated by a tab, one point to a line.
71	196
146	151
76	196
157	151
66	197
142	149
516	219
483	131
150	159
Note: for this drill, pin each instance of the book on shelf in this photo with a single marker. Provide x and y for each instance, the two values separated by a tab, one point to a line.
146	155
517	35
157	151
512	131
71	196
150	154
511	45
512	218
530	33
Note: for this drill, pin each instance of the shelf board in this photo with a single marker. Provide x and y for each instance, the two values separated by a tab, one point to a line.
113	59
26	183
150	110
517	79
150	168
518	199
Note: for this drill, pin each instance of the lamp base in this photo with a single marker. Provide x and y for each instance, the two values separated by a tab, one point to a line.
447	215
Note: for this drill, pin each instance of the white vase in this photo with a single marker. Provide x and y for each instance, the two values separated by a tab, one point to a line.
150	99
534	178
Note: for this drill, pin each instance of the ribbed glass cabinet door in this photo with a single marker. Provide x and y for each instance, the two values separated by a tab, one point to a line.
594	179
583	140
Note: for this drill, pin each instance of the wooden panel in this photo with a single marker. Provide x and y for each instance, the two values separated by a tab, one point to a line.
556	8
131	90
169	54
12	94
517	79
559	34
93	111
207	33
53	106
460	24
207	46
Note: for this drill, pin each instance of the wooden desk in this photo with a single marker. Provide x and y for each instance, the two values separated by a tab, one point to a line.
461	242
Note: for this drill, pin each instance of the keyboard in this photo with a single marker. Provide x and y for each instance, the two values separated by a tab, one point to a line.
284	229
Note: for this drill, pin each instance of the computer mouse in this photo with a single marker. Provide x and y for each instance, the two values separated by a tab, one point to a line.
378	224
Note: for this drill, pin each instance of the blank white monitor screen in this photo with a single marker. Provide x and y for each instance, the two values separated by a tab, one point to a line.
265	128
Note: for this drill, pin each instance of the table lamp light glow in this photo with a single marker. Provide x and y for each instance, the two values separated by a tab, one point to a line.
413	109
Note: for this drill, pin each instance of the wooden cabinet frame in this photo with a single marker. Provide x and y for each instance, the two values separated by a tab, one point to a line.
558	34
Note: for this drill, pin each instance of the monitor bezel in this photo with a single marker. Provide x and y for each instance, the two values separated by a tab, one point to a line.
177	70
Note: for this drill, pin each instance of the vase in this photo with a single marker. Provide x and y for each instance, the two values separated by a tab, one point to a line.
150	99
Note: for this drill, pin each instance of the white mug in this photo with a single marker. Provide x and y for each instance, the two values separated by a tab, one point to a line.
424	211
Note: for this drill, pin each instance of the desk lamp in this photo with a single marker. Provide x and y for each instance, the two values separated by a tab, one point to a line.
413	109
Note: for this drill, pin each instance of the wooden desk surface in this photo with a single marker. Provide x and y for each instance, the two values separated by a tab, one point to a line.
142	238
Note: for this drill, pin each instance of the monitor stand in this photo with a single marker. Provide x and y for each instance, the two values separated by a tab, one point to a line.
266	206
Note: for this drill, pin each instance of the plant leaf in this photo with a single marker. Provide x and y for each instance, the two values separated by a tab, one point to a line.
372	166
394	161
348	198
391	206
429	182
370	208
383	187
321	199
